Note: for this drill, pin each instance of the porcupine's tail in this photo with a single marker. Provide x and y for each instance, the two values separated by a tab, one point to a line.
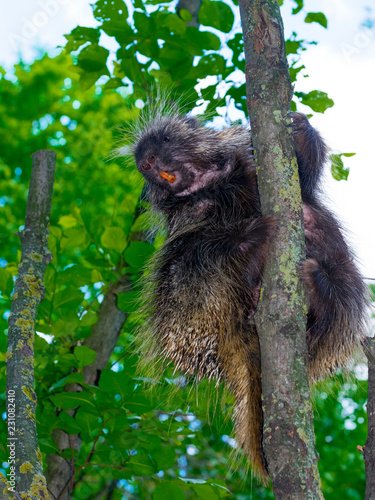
240	355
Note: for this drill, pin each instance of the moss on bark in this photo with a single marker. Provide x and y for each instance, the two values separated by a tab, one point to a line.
288	441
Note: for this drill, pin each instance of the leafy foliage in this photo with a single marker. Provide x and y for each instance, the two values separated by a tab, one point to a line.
157	44
338	171
135	443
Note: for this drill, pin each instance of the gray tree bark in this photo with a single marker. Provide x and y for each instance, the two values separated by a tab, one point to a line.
28	293
369	448
288	438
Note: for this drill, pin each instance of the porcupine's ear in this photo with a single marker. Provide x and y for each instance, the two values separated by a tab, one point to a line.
193	122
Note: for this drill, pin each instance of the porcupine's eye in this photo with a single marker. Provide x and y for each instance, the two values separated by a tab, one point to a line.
166	139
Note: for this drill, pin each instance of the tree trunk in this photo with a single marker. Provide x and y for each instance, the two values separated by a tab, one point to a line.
28	293
288	438
369	448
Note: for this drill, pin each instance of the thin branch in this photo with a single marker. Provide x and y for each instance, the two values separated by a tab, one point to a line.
69	485
369	448
28	293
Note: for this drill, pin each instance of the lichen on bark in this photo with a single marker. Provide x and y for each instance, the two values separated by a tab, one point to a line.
288	439
29	291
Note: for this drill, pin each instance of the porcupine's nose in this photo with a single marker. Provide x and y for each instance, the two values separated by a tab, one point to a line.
149	163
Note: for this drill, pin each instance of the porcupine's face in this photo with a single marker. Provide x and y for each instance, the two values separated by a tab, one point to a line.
180	156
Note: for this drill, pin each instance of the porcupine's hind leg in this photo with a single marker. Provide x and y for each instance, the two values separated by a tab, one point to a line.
336	294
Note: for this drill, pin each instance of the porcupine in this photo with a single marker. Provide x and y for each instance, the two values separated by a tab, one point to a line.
206	277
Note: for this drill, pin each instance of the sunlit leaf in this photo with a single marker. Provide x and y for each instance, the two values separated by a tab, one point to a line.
216	14
85	355
317	17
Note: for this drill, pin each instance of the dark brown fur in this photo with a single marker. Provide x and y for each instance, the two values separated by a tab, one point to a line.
207	275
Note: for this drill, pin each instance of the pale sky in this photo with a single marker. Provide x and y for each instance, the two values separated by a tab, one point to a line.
342	64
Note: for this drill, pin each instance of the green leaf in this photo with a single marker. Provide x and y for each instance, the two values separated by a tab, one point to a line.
56	231
78	276
109	10
113	83
171	21
73	238
87	79
164	456
339	172
6	281
216	14
168	490
294	70
299	7
317	17
85	355
88	423
63	328
138	253
70	400
138	404
150	442
198	41
211	64
114	382
89	319
114	238
128	301
73	378
204	492
93	59
68	424
292	45
144	23
67	296
119	29
236	44
317	100
67	221
185	15
219	487
141	465
79	36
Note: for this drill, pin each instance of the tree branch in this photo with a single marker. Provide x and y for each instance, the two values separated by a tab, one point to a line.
288	438
28	293
369	448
